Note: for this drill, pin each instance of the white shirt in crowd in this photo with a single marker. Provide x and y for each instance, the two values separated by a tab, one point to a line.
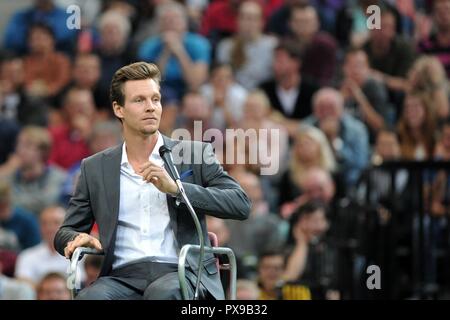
35	262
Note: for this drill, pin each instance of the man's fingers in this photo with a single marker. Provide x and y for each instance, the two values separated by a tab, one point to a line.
148	165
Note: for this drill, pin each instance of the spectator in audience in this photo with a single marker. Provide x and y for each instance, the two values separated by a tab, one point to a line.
86	74
12	289
308	226
427	76
9	245
263	230
15	103
44	11
271	266
113	51
272	137
19	221
105	134
347	135
249	42
390	55
220	20
351	22
289	92
316	186
53	286
246	290
310	150
182	57
194	108
35	262
226	96
416	128
35	184
438	42
319	48
46	70
70	138
365	98
278	22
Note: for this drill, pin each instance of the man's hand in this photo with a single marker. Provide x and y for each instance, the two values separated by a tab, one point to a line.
82	240
173	42
157	175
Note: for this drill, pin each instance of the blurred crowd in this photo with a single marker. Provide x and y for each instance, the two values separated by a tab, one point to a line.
343	98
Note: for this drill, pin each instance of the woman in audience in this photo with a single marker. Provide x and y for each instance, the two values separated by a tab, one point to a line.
427	77
249	52
310	150
416	128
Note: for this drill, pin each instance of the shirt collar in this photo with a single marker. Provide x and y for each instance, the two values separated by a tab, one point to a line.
154	155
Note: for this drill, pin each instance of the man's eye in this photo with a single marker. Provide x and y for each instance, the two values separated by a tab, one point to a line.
156	100
138	100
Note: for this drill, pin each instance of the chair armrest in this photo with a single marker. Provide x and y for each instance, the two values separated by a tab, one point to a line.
77	255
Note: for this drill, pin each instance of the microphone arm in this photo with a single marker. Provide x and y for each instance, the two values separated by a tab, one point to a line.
166	154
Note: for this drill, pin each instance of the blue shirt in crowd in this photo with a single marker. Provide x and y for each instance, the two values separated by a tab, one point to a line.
16	33
196	46
25	226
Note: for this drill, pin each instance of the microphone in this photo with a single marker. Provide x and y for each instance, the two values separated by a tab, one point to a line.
166	154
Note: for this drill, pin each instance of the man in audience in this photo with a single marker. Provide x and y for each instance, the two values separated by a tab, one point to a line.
35	262
19	221
53	286
35	184
70	138
347	135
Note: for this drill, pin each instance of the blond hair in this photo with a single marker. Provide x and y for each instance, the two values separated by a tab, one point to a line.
40	137
326	159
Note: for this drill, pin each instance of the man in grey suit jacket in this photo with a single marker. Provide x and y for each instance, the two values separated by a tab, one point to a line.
135	203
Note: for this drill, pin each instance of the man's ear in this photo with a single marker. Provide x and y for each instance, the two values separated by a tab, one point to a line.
117	108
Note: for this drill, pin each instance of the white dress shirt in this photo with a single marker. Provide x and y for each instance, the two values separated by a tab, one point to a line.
144	224
288	98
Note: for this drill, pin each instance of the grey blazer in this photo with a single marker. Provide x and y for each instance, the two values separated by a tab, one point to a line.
211	191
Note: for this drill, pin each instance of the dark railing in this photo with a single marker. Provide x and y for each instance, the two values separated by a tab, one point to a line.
399	231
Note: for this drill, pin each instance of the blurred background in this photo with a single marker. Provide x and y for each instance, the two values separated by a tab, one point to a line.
362	115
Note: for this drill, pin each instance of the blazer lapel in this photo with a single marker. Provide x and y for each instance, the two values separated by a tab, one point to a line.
111	181
171	200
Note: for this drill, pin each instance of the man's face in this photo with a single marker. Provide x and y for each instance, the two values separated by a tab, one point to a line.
40	41
327	107
173	20
318	187
283	64
50	220
141	112
27	151
86	72
250	19
442	15
80	104
53	289
271	270
195	107
388	29
11	74
304	22
314	224
356	67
